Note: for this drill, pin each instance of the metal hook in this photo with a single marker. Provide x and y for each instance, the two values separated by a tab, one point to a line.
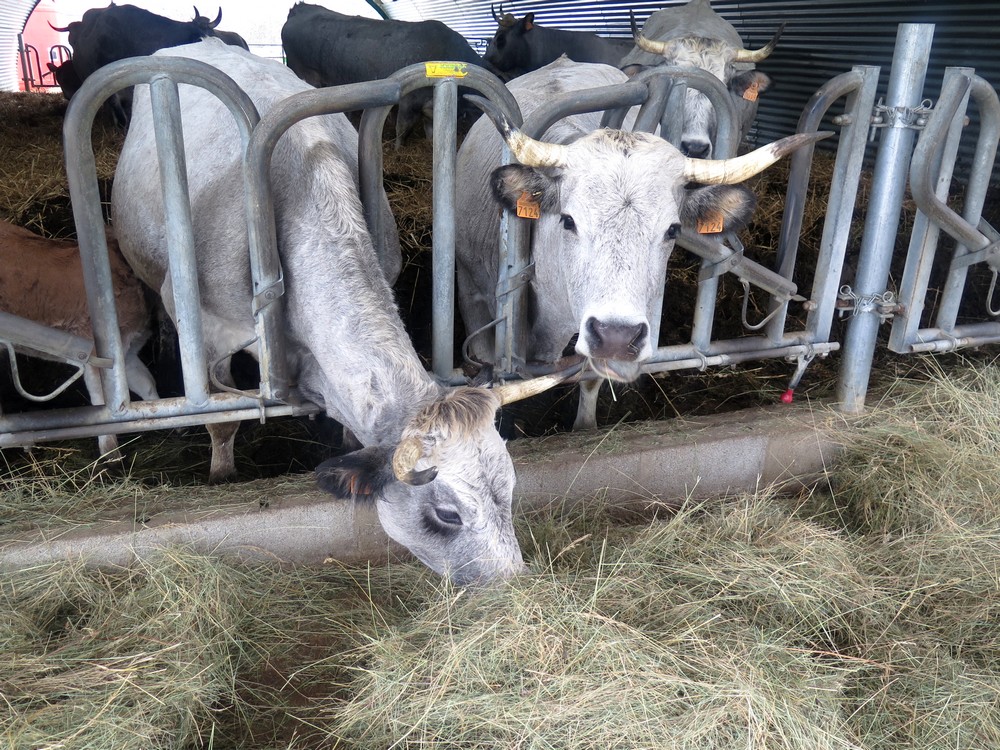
746	302
989	296
16	378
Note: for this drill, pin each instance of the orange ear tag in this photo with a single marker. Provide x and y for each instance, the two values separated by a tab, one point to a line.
446	70
751	92
711	224
528	207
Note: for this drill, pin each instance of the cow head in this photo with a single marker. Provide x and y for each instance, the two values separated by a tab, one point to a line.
719	59
508	50
67	77
610	206
203	24
445	490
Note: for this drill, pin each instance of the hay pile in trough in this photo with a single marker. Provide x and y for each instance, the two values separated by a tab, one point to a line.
861	617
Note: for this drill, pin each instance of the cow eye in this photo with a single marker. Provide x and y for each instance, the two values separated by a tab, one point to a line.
447	516
673	230
568	224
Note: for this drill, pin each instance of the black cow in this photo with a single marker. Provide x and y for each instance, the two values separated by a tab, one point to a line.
105	35
326	48
521	45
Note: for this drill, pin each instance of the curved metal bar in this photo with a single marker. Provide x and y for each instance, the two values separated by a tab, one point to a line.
932	139
81	172
370	161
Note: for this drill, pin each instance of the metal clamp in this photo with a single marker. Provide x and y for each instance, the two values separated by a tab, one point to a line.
268	295
900	117
522	278
851	304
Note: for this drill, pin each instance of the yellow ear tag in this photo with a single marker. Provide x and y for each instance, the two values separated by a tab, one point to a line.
528	207
751	92
711	224
446	69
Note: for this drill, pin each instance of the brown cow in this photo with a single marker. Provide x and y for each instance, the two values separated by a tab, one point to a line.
42	280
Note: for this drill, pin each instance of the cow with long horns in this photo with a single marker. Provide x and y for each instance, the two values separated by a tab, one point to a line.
696	36
432	462
610	204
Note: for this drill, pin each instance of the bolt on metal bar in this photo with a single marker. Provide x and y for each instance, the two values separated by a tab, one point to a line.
906	81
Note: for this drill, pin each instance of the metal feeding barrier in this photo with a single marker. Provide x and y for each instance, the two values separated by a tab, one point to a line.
653	100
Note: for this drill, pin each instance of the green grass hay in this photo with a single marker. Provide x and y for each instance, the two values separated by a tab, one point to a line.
864	616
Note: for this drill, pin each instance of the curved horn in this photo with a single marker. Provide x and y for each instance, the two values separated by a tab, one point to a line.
756	55
522	389
527	151
218	19
739	168
197	15
635	26
651	45
493	11
405	458
57	28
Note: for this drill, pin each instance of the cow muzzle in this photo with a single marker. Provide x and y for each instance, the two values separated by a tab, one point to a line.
615	347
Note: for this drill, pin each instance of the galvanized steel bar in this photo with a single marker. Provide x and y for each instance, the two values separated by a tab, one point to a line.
859	86
81	173
925	233
370	159
183	261
906	81
965	228
443	260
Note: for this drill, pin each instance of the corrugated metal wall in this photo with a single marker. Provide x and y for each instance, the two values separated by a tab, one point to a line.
13	14
822	38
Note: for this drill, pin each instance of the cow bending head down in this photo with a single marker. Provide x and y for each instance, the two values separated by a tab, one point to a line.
611	205
433	463
445	489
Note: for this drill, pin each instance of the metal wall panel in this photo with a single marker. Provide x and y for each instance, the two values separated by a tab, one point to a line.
822	38
13	15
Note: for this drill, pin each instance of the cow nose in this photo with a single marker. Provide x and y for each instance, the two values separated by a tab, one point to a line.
615	340
696	149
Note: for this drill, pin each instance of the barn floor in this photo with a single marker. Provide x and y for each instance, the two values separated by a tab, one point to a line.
635	465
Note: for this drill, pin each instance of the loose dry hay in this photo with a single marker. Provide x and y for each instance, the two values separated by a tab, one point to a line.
34	192
854	621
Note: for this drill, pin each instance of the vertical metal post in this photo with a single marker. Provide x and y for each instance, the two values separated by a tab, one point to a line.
443	256
22	56
180	238
906	82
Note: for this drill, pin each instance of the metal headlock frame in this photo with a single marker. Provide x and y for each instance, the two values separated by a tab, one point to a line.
654	92
276	396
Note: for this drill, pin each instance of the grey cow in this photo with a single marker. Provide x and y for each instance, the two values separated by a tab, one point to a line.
326	48
521	45
611	202
696	36
433	463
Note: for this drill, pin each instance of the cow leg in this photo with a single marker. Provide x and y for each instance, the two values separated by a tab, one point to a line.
106	444
140	380
223	435
586	410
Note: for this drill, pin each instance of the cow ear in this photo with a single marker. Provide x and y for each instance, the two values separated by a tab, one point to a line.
528	21
749	84
717	208
510	182
361	475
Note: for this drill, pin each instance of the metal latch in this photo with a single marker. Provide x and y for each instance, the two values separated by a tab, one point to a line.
850	304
